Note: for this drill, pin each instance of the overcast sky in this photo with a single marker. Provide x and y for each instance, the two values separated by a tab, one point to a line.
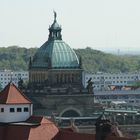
100	24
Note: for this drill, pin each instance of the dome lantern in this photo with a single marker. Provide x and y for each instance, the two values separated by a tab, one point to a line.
55	30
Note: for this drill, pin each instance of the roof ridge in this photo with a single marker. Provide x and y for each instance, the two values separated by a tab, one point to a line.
5	88
8	90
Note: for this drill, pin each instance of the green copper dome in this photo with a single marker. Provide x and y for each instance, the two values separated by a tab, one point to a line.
55	53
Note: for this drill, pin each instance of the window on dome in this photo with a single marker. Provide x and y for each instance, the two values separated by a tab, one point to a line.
2	110
26	109
19	109
12	110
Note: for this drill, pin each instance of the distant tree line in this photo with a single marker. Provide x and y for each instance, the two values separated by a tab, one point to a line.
17	58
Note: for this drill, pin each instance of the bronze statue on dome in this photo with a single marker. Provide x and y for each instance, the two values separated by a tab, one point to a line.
55	15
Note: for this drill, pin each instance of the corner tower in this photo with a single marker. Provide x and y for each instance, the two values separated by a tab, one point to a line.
14	105
55	64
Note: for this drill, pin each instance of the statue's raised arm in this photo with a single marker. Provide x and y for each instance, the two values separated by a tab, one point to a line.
55	15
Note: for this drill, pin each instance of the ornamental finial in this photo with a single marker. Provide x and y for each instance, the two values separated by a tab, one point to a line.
55	15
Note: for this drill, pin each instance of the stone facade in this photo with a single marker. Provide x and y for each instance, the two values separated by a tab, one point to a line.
64	105
55	77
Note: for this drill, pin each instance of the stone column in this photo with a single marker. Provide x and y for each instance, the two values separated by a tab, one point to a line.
124	118
114	117
133	118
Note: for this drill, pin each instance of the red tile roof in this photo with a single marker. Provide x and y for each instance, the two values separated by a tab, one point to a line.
67	135
118	138
12	95
45	131
38	120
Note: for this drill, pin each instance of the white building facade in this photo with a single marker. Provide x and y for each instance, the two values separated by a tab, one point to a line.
15	113
7	75
103	80
14	106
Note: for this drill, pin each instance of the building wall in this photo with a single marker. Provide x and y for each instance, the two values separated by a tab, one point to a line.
129	96
55	77
15	116
38	76
58	104
7	75
66	76
102	80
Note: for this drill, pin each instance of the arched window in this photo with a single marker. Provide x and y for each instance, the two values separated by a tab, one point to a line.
70	113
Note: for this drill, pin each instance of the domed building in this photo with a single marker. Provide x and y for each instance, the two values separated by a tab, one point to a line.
55	64
55	79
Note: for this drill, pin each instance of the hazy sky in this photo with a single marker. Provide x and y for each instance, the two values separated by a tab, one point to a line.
100	24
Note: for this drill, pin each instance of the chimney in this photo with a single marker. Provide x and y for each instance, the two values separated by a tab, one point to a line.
103	128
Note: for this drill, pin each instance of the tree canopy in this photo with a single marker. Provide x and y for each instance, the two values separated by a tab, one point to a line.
17	58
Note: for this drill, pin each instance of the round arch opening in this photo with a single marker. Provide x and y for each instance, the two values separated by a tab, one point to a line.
70	113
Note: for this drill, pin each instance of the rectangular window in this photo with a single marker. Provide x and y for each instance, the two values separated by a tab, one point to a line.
131	101
2	110
12	110
26	109
19	109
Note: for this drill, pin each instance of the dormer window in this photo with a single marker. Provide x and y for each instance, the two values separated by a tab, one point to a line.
12	110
